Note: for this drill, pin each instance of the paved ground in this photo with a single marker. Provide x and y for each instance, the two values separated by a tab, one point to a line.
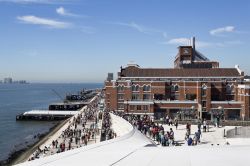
215	135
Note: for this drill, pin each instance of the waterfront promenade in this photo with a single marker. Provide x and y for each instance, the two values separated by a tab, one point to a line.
80	130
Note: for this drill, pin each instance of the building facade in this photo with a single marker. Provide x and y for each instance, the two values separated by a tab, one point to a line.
195	88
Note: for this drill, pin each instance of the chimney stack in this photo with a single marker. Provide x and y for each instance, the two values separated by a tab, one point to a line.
193	42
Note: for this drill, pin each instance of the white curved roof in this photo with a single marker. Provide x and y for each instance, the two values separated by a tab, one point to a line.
134	148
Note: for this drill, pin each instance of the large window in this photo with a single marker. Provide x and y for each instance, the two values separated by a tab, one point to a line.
120	88
146	88
135	88
146	97
158	96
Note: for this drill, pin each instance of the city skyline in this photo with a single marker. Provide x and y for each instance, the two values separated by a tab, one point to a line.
82	41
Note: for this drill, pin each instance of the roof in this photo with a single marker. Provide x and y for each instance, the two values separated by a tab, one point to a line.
199	56
174	72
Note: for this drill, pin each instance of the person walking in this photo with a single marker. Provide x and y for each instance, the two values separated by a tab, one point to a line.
176	123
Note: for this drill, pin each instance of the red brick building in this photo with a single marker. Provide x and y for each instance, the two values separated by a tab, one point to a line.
195	87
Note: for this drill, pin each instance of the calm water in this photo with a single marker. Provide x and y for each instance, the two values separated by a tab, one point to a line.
18	98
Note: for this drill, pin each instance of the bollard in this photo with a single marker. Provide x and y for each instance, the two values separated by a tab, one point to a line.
224	133
235	130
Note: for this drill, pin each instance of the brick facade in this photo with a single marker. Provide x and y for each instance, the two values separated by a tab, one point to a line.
186	93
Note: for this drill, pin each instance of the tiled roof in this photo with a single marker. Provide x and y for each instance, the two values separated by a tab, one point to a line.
161	72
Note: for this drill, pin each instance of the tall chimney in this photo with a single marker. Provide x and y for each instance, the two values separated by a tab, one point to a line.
193	41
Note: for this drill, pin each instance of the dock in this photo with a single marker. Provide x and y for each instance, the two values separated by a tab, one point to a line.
45	115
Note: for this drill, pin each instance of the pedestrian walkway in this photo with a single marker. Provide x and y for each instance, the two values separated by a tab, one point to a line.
81	130
214	136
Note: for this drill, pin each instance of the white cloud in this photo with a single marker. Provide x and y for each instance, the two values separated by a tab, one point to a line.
29	19
201	44
219	31
63	12
187	41
135	26
179	41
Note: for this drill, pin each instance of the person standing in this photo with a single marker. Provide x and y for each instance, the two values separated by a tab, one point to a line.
205	125
176	123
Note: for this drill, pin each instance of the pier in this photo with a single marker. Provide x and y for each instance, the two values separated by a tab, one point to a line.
62	110
45	115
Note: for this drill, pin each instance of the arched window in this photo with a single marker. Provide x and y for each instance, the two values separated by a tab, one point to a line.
146	88
176	88
203	90
229	88
137	88
133	88
120	88
149	88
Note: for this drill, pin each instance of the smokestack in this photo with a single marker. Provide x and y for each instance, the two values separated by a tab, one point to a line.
193	42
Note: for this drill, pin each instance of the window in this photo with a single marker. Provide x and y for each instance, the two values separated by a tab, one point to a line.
229	89
135	88
146	88
135	97
132	107
145	108
120	96
204	104
120	88
138	107
204	90
120	106
176	88
146	96
158	96
190	97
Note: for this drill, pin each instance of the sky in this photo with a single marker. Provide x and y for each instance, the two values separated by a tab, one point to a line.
75	41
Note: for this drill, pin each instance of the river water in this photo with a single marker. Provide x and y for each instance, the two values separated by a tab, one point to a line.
18	98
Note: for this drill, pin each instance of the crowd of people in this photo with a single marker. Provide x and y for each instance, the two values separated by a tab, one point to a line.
157	133
107	131
80	131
